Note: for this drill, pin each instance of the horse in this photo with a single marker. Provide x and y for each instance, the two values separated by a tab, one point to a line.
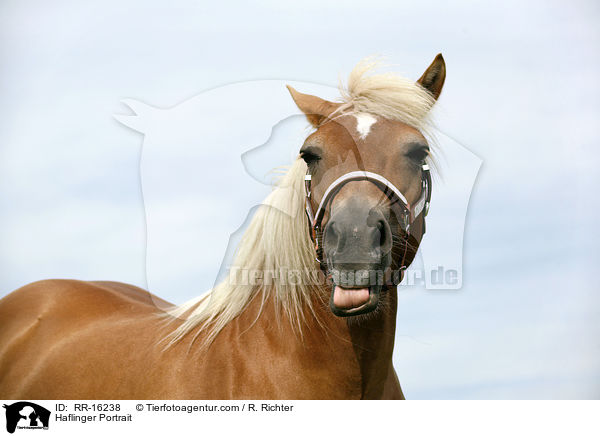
308	310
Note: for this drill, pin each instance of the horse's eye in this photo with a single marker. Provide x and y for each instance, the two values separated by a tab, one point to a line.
418	155
309	157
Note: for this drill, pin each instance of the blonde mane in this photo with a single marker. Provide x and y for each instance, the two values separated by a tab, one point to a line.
387	95
263	250
277	241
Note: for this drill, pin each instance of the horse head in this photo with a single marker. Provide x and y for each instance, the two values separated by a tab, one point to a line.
367	182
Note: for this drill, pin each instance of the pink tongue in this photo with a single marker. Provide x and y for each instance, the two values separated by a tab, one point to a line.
350	298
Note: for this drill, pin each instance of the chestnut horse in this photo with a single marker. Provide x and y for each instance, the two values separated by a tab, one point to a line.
309	308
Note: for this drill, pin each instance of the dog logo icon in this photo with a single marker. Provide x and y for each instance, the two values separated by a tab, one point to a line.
26	415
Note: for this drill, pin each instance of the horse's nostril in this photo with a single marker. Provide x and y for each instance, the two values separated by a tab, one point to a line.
384	235
333	236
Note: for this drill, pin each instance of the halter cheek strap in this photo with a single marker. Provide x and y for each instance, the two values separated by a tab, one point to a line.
408	213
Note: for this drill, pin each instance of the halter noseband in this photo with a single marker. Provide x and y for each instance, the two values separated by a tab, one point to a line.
408	213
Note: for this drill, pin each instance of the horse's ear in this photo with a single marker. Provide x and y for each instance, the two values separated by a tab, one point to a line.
433	78
316	109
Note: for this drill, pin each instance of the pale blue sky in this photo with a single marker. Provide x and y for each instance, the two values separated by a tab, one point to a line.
521	93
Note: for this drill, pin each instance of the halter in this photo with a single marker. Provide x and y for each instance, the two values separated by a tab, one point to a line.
408	213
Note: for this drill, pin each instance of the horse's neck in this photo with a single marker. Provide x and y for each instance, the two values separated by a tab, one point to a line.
362	350
373	342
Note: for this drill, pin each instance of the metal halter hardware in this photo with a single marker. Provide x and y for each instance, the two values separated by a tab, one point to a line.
409	213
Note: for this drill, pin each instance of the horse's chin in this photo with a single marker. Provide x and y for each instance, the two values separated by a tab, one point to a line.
346	302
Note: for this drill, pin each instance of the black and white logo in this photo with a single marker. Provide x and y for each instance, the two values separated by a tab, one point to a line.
26	415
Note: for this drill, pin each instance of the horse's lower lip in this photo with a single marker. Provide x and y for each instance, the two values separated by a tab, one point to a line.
359	300
345	298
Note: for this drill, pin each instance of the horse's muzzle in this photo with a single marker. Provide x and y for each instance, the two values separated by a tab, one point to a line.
357	244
